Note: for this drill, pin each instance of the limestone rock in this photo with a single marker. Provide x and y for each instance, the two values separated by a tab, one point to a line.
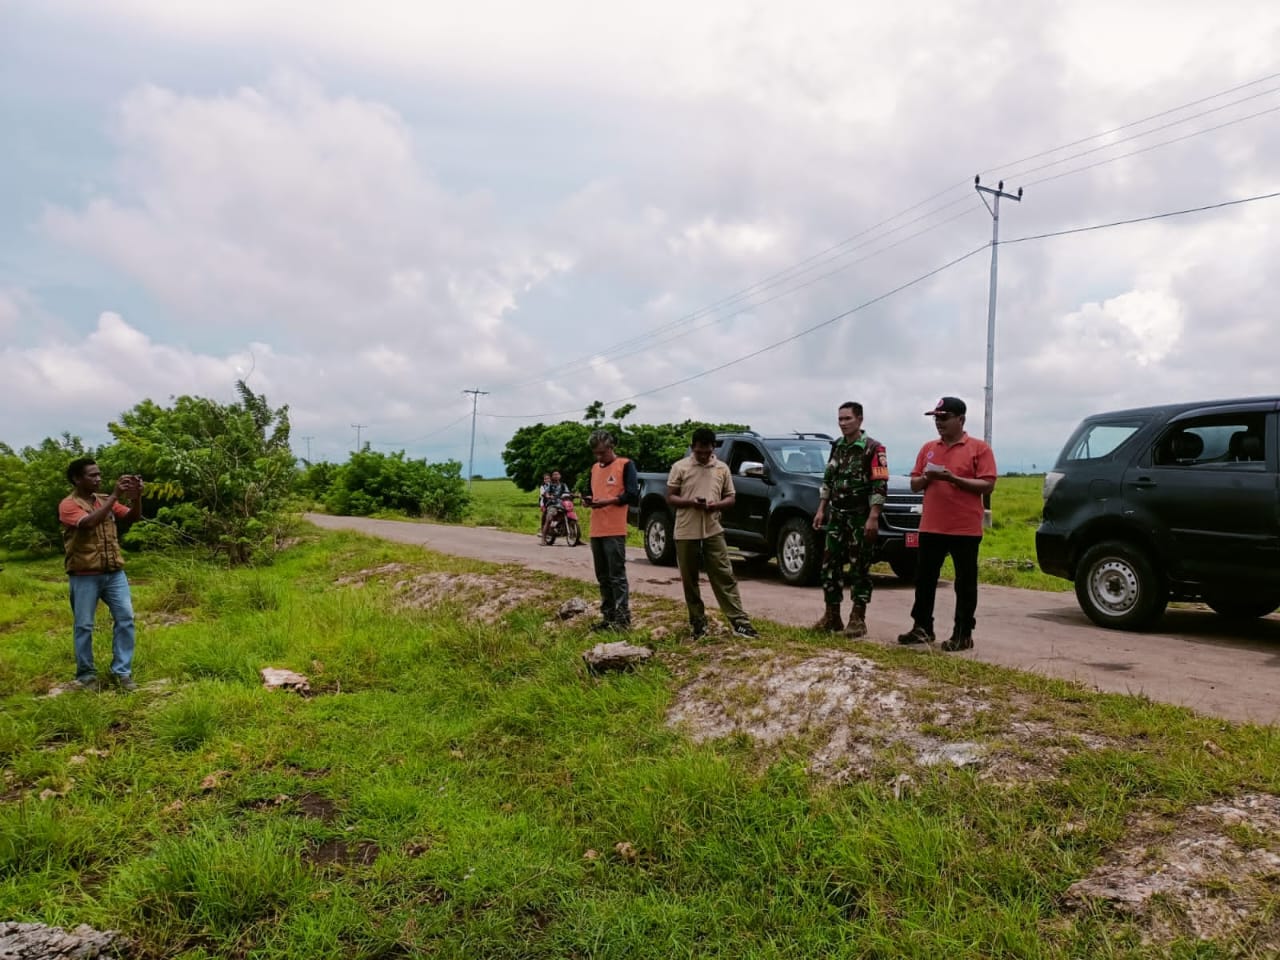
35	941
615	656
274	679
572	608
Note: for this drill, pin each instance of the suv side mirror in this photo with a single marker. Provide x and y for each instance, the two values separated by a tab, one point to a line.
753	468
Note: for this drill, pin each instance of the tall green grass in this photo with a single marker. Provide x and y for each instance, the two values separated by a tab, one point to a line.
440	793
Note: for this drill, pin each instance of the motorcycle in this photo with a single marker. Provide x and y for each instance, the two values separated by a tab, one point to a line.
562	521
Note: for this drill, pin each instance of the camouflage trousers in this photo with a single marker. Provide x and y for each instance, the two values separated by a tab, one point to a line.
846	545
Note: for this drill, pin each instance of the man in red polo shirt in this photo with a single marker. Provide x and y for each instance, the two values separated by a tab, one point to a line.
955	472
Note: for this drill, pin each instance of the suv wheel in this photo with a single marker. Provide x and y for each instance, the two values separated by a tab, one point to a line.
1239	607
1118	587
659	541
799	555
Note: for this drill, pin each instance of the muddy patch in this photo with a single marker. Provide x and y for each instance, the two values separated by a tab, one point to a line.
361	853
853	714
1212	873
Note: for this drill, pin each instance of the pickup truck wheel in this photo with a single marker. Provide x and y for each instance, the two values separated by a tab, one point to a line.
1238	607
659	539
799	555
1118	587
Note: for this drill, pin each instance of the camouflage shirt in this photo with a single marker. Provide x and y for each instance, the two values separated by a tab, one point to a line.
857	475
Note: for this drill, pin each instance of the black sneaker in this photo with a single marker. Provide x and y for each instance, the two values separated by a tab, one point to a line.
698	629
600	626
745	629
916	634
958	641
126	683
86	686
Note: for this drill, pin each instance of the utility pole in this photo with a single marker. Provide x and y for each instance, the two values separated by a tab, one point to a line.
471	457
358	428
308	440
997	193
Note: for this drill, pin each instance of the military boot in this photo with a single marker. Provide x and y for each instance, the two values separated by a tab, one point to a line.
830	622
857	626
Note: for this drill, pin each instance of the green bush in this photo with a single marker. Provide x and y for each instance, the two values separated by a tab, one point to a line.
32	484
370	482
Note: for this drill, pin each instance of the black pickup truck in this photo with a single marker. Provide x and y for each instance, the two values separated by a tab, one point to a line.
777	481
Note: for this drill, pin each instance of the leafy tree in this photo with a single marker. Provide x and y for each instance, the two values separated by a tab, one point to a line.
228	467
540	448
371	482
32	483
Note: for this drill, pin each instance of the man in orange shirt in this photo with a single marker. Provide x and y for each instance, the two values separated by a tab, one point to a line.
955	472
614	485
95	567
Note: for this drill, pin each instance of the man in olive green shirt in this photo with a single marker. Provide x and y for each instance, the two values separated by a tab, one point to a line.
700	487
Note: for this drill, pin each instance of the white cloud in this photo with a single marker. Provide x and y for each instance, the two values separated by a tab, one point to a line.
518	187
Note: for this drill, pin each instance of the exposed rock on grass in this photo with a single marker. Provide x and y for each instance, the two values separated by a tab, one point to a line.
1212	873
604	657
35	941
852	713
277	679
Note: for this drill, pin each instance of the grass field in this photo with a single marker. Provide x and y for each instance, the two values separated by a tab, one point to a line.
1008	550
459	788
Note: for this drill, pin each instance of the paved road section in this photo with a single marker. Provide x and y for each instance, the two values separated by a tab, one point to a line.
1196	660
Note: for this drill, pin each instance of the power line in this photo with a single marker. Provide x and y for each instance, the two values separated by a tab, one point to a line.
429	433
680	334
1154	216
877	299
1163	126
765	349
1154	116
1154	146
812	262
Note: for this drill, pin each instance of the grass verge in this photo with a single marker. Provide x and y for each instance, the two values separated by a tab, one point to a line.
458	787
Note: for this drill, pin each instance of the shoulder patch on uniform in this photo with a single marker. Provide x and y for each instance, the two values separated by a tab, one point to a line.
880	465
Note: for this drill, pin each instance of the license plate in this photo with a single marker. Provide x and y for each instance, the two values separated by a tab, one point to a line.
913	539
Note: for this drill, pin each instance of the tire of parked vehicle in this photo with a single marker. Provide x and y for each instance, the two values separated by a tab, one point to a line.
904	566
1238	607
659	538
573	533
1118	587
799	556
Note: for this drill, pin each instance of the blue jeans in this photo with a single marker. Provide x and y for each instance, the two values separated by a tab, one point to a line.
113	590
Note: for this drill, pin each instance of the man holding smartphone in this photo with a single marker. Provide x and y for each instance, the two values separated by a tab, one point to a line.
955	472
700	487
614	486
95	567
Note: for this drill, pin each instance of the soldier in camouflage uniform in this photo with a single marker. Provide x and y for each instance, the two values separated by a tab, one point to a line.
853	490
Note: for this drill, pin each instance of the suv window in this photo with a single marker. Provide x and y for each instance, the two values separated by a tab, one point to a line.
1098	440
801	456
743	452
1231	441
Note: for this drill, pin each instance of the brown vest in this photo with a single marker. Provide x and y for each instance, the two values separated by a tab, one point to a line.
92	549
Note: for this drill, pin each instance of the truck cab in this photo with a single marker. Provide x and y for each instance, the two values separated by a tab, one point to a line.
777	480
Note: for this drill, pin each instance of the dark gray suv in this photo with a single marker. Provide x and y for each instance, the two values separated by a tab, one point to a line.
1176	502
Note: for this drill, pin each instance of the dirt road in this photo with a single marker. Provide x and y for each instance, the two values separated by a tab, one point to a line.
1195	660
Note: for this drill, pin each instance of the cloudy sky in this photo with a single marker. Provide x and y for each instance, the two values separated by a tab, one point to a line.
366	209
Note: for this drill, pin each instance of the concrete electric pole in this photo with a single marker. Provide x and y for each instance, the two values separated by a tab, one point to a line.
997	193
471	457
359	427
